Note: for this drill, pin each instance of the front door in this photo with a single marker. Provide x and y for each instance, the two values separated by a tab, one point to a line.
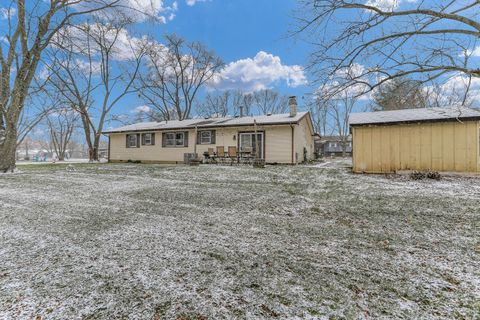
248	142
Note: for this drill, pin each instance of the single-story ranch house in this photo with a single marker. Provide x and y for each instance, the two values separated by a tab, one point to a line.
279	138
439	139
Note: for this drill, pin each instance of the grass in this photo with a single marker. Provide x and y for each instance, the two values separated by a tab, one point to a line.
208	242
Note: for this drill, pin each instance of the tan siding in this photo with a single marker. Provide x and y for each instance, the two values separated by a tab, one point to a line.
448	146
278	145
304	139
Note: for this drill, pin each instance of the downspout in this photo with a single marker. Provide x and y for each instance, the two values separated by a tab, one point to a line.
195	144
293	143
108	157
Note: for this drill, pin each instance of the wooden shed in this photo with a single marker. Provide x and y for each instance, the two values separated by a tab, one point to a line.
439	139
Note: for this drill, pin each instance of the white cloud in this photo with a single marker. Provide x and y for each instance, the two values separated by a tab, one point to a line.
451	93
136	10
474	53
193	2
347	83
387	5
6	13
141	109
261	72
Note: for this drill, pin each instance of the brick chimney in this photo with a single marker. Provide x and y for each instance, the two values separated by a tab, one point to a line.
241	111
292	102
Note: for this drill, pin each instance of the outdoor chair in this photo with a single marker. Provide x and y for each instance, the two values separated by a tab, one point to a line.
211	156
232	154
221	153
246	155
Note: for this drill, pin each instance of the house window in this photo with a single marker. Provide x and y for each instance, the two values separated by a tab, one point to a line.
132	141
147	139
175	139
170	139
206	137
179	139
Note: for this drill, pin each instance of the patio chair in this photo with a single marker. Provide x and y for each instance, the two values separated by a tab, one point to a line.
220	153
232	154
211	156
247	155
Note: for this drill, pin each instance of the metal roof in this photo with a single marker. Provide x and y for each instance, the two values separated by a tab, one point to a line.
210	123
413	115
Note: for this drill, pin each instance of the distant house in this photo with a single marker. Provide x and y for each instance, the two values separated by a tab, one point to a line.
280	138
329	146
440	139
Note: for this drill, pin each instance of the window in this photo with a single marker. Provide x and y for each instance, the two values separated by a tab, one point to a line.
148	139
179	139
206	137
131	141
175	139
170	139
333	144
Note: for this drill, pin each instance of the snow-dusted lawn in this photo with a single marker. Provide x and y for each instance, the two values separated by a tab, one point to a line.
153	242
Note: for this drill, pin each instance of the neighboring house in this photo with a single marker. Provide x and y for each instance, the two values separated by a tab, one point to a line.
282	138
440	139
328	146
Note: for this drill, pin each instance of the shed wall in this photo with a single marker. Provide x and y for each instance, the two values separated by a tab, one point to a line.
439	146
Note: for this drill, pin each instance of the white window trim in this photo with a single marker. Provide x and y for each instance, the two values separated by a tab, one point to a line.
209	137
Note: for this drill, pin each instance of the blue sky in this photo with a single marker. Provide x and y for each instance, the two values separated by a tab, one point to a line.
238	30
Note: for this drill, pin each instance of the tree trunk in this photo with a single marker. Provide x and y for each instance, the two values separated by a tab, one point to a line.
8	149
93	150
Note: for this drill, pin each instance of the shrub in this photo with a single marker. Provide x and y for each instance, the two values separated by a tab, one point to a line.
417	175
433	175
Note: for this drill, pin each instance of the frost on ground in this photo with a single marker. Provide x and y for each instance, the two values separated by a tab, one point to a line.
153	242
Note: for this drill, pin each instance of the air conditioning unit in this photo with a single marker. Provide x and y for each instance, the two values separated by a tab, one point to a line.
187	157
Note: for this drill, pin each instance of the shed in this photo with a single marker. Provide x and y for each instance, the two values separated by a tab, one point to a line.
439	139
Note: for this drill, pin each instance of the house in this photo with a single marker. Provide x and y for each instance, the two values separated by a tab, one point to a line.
330	146
280	138
439	139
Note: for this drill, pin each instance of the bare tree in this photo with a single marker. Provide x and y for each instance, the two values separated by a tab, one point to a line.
27	32
177	71
61	125
96	60
320	117
454	92
215	105
426	40
268	101
220	104
339	109
338	105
